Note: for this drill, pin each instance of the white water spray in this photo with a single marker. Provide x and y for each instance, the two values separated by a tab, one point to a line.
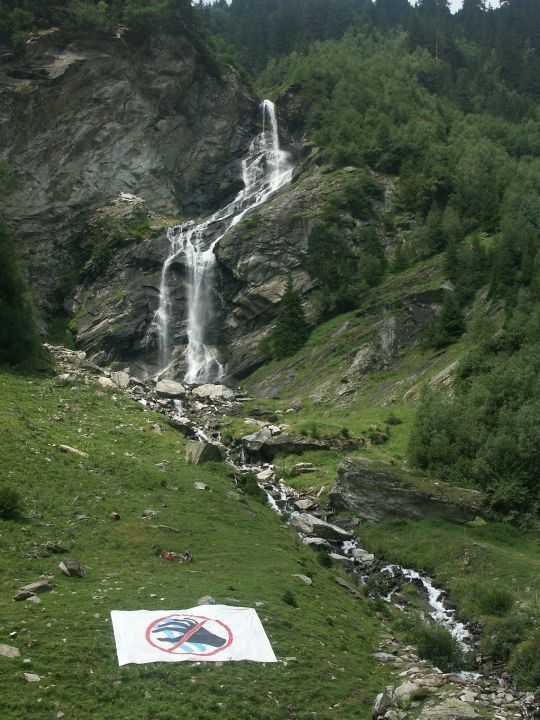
265	170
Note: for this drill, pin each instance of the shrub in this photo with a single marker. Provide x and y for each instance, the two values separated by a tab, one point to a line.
501	636
393	420
525	664
436	644
494	601
11	504
290	599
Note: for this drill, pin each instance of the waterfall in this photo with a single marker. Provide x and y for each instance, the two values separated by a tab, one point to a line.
265	169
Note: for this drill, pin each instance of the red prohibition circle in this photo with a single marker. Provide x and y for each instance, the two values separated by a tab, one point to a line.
200	623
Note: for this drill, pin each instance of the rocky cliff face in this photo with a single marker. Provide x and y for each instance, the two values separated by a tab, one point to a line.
257	256
82	122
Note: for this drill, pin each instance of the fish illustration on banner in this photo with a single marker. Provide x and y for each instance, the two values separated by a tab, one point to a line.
204	634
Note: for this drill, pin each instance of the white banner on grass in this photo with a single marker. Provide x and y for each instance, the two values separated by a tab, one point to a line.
209	633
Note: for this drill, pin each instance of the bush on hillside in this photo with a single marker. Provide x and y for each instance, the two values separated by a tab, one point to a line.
11	503
500	636
436	644
525	664
289	598
494	601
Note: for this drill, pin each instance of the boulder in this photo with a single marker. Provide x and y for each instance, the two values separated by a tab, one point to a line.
268	445
304	578
120	379
201	452
170	389
106	383
377	492
72	568
363	557
32	677
310	525
72	451
451	709
407	692
265	475
254	442
316	542
40	586
9	651
182	424
305	504
383	702
213	392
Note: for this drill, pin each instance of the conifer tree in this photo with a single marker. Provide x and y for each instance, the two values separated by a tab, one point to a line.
291	330
450	325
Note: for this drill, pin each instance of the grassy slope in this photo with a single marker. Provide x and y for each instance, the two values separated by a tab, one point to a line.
318	370
469	561
242	554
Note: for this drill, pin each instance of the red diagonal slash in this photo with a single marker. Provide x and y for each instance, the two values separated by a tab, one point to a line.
189	634
187	637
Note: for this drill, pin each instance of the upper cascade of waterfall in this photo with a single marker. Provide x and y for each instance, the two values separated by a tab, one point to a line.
265	170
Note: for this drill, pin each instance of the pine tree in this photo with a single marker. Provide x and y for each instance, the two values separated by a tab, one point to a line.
450	324
291	330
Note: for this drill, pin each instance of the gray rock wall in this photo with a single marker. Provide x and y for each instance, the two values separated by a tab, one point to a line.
82	123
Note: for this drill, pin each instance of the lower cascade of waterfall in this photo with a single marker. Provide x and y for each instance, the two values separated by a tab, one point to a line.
265	169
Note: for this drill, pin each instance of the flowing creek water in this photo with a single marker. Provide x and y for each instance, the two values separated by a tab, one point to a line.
265	170
282	498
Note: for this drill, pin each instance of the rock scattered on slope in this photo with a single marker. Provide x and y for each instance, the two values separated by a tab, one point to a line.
304	578
72	568
121	379
72	451
40	586
32	677
213	392
170	389
201	452
9	651
310	525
